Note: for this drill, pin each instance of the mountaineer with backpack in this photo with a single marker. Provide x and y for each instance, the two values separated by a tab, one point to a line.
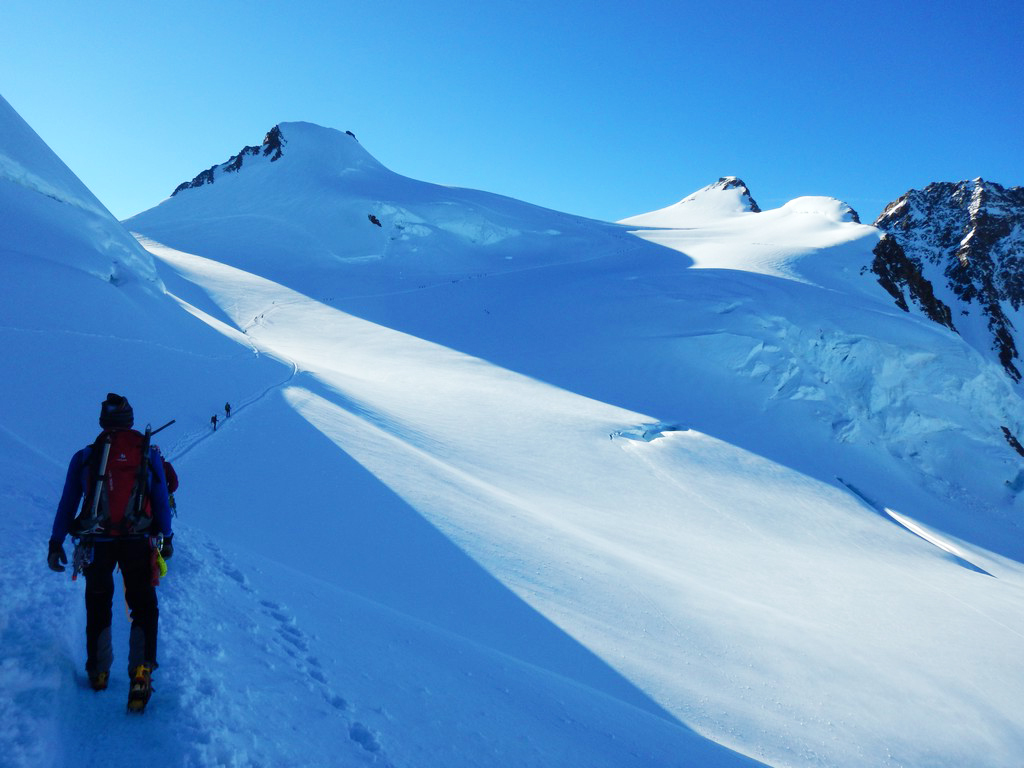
125	521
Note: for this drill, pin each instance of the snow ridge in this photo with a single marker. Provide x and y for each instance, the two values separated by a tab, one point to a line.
272	148
12	171
49	214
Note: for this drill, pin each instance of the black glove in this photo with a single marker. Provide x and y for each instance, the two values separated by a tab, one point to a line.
168	548
56	558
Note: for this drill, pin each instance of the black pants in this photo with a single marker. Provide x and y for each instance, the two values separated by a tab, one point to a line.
134	557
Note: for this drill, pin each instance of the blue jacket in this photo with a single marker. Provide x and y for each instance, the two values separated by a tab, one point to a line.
77	483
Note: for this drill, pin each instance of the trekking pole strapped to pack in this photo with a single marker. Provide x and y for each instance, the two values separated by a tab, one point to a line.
142	483
83	554
92	523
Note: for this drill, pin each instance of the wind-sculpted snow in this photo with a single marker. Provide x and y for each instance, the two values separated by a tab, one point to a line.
47	213
15	173
26	161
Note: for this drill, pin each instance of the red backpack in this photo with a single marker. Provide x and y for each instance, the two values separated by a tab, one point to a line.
118	510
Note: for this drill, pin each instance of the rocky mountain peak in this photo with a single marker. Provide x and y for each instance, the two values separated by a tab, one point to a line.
958	246
725	198
272	147
733	182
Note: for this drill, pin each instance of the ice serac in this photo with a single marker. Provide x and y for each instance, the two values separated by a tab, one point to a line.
956	251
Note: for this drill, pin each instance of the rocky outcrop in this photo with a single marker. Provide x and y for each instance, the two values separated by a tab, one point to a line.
272	147
898	274
273	143
731	182
851	214
963	242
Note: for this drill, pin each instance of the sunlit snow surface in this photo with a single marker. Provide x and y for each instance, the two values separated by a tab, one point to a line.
503	487
752	603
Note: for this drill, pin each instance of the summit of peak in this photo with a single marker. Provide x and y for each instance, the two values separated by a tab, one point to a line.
729	184
725	198
310	144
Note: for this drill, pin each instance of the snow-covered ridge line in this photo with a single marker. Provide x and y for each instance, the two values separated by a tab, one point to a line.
14	172
272	147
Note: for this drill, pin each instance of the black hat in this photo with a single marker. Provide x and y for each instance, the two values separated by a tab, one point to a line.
116	413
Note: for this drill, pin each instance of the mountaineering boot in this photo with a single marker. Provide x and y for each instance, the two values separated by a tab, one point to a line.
98	680
141	688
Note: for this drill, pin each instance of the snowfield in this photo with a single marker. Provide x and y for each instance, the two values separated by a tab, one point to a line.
505	487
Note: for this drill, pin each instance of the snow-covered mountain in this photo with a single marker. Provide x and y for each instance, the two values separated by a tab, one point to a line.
726	197
956	252
312	199
502	486
722	226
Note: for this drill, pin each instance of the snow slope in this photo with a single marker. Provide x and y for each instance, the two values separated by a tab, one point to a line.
311	210
267	659
726	198
38	193
722	227
654	554
555	498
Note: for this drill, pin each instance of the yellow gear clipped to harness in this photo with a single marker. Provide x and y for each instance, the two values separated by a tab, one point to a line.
157	559
161	564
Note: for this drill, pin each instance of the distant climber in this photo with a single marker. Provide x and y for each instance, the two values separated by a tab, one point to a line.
213	421
227	410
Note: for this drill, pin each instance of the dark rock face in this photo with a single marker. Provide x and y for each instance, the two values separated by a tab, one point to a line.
235	163
731	182
273	143
964	242
1012	440
898	272
272	147
206	177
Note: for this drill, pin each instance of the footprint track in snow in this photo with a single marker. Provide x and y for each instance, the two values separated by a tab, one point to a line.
294	642
283	638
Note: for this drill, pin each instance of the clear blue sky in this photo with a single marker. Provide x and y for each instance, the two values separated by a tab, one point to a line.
596	108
